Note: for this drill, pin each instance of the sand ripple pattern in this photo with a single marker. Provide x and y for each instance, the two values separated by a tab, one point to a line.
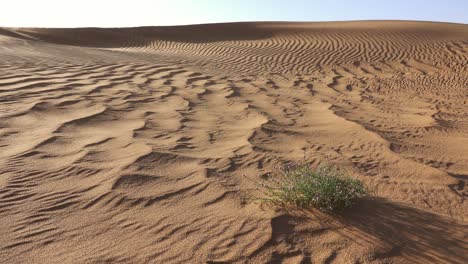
143	145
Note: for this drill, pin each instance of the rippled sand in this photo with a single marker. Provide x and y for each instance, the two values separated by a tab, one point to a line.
143	144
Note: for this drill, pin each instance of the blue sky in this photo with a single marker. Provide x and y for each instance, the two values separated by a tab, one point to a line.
119	13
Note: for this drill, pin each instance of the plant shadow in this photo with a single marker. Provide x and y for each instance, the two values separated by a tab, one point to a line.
417	235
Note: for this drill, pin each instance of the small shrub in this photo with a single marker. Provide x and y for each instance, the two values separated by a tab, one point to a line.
327	188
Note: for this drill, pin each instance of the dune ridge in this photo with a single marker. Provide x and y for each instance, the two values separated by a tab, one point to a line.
142	144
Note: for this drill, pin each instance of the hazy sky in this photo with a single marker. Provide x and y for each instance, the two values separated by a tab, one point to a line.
127	13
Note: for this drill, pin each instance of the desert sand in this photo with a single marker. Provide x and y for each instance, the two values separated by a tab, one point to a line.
143	145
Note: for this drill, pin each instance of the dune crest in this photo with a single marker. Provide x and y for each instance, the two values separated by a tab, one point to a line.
136	144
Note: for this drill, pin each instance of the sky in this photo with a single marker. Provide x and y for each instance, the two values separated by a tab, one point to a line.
130	13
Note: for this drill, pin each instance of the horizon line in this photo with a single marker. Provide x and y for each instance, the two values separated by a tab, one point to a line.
247	22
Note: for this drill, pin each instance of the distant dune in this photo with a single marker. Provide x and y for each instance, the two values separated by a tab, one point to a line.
138	145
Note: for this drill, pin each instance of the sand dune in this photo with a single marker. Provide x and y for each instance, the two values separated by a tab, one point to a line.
136	145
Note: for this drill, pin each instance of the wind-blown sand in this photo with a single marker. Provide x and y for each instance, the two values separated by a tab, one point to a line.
143	144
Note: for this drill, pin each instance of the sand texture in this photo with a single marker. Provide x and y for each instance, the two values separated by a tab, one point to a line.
143	145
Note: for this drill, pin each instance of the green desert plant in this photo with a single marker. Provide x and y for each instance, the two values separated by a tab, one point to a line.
327	188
